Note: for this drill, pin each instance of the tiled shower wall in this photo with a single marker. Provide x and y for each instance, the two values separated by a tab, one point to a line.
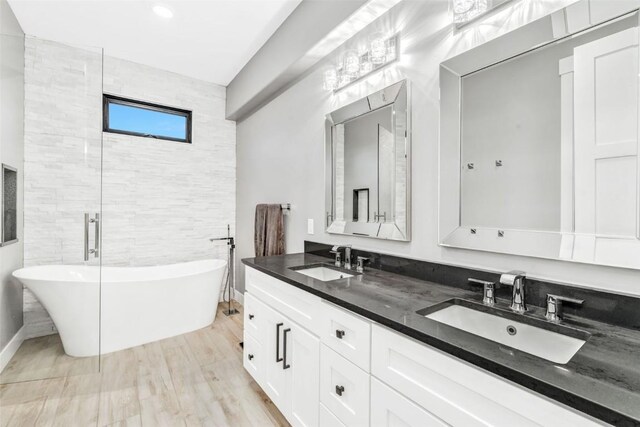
161	200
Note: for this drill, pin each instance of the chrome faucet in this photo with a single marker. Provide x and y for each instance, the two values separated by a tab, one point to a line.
516	280
347	256
554	306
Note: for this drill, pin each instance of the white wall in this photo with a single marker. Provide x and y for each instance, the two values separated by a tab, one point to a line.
280	148
11	153
162	200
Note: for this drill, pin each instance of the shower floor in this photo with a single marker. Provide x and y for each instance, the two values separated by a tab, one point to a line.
192	379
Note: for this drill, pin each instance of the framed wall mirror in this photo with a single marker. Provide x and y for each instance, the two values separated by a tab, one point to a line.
368	166
539	139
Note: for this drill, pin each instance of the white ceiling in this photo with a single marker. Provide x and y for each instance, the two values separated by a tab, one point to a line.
207	39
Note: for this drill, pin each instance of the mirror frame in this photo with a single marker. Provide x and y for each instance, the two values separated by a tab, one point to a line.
360	107
564	23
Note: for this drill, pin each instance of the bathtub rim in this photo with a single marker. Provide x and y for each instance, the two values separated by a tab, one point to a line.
64	270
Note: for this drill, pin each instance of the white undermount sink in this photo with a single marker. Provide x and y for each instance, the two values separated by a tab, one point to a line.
323	273
549	345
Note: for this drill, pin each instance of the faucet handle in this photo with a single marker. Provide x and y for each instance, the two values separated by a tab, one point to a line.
338	260
360	260
554	306
479	282
489	297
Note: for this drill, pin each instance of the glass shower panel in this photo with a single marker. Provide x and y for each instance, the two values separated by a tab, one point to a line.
62	211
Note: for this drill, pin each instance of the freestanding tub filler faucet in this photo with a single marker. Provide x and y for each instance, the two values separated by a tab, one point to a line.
231	283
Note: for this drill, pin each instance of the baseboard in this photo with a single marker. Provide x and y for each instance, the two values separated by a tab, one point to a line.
239	297
11	348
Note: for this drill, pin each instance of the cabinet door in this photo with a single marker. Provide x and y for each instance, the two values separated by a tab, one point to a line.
302	357
254	318
344	388
275	376
347	334
253	358
391	409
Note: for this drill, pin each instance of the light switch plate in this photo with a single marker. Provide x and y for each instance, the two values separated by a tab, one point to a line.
310	226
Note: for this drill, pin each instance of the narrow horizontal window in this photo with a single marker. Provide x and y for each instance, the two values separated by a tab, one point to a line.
130	117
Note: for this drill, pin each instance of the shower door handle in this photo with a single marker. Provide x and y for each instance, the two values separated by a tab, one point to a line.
95	251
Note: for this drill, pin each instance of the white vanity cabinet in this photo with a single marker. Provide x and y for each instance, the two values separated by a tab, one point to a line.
326	366
284	360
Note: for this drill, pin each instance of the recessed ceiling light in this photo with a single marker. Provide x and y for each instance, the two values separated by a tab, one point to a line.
163	11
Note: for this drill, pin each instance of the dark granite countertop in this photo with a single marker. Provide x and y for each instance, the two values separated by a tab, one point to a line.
602	379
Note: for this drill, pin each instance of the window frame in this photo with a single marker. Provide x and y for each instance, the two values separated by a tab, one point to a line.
118	100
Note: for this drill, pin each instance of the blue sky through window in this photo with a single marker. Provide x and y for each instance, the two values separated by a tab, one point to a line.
134	119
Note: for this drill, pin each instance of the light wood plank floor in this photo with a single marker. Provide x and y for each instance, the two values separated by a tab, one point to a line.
196	379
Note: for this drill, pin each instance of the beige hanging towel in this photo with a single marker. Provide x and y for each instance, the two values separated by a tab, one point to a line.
269	230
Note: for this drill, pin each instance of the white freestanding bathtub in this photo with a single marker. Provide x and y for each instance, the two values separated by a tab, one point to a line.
133	306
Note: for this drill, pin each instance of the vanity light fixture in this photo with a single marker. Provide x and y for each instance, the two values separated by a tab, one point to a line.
355	65
465	11
163	11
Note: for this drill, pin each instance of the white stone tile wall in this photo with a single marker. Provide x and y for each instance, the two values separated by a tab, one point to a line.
161	200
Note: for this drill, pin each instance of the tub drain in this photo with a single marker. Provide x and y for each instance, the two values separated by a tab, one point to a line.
511	330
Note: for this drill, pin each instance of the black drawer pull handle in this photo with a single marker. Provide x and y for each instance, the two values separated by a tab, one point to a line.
285	365
250	357
278	358
251	316
339	334
339	390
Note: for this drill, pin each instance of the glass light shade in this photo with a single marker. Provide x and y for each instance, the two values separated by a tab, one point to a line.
378	49
330	80
344	80
351	63
466	10
391	49
462	6
365	67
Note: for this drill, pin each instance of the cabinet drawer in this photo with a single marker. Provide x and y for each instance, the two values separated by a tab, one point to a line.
327	419
457	392
344	388
347	334
253	358
389	408
255	321
298	305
